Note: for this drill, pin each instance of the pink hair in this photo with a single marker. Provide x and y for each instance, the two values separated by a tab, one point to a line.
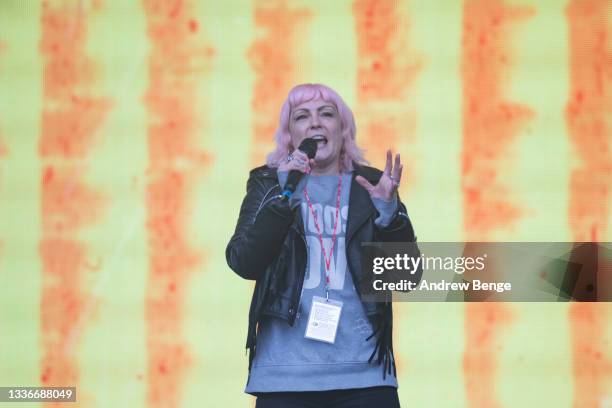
306	92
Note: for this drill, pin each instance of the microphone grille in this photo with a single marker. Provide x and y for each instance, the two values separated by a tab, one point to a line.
309	146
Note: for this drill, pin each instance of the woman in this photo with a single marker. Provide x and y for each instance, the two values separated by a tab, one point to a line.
312	340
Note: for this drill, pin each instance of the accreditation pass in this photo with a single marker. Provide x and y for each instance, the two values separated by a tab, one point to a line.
323	319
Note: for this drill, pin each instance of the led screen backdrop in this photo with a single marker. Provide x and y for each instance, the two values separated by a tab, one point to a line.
127	129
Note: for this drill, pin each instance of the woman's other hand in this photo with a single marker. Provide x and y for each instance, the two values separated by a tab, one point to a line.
389	181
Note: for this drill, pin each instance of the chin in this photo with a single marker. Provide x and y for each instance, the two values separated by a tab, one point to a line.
323	154
324	158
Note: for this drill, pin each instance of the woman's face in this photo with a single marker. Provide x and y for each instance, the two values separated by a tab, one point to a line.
319	120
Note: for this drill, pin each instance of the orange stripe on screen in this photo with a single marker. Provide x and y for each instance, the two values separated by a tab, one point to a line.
71	115
178	56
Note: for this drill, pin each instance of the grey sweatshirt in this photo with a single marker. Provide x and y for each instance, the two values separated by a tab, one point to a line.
285	359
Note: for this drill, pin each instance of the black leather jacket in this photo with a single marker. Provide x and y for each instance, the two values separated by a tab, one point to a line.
269	246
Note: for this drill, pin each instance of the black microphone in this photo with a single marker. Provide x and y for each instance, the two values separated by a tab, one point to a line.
308	146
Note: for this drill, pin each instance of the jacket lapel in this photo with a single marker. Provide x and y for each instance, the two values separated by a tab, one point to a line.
360	207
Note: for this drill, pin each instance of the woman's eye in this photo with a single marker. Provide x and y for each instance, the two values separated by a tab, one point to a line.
328	114
300	117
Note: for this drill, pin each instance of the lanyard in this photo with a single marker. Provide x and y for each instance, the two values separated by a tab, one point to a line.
316	223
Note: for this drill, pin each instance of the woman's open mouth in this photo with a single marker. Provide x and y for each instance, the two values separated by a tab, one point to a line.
320	139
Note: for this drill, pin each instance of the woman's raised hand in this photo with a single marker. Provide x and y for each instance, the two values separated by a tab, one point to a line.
389	181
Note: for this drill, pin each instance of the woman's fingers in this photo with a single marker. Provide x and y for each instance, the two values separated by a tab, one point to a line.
397	169
304	167
388	164
296	161
302	161
300	156
386	186
364	183
397	161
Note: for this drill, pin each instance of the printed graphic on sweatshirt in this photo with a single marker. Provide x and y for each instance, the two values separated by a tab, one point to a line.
326	215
